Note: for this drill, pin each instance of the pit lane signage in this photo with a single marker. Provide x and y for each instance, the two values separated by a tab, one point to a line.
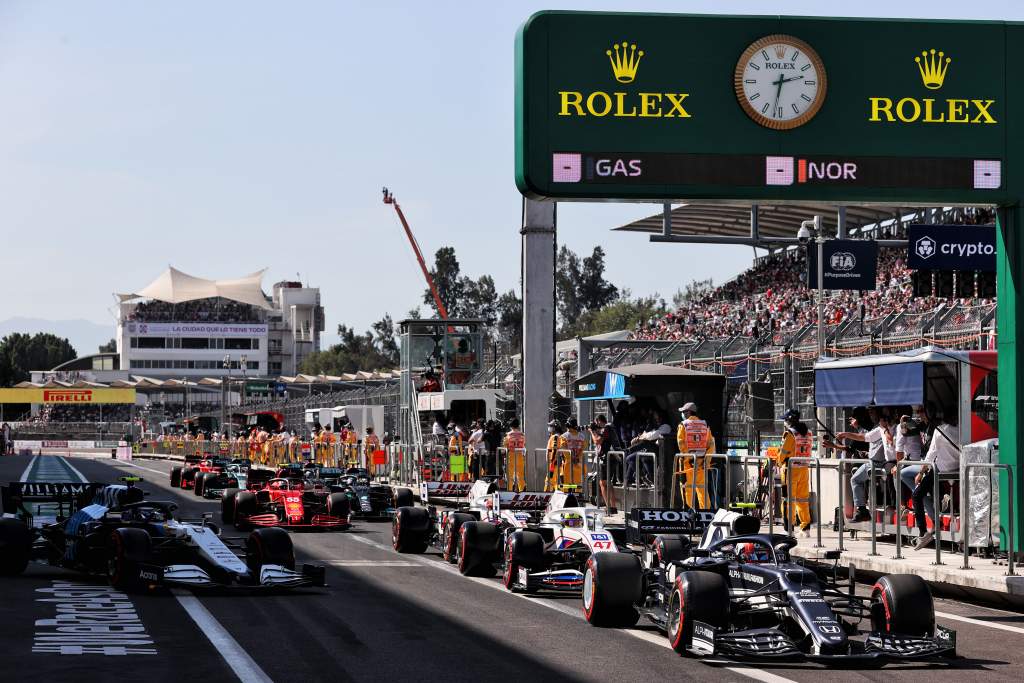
642	106
952	247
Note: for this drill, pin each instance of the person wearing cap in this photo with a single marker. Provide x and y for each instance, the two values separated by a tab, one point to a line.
796	443
573	441
515	446
695	441
554	432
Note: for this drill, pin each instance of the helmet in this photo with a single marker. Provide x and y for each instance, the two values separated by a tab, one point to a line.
751	552
791	415
572	520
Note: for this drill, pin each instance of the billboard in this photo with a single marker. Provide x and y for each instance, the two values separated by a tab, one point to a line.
952	247
849	264
72	396
196	329
669	106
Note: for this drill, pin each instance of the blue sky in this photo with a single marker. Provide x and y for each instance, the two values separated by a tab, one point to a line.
222	137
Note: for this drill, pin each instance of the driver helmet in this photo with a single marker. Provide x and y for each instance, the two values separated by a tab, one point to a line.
572	520
751	552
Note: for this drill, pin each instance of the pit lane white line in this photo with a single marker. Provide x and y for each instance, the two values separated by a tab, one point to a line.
247	670
980	622
24	475
749	672
72	468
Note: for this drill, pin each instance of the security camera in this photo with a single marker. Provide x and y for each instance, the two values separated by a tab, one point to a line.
803	235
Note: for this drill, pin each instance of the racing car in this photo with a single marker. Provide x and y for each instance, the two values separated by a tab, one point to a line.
537	541
112	529
233	474
739	594
186	476
292	503
367	500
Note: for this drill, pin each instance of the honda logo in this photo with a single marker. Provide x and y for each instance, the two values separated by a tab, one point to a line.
829	629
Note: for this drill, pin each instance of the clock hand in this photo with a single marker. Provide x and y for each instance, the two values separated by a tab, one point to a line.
787	80
778	91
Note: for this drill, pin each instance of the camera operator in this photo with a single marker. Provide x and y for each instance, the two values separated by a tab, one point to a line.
604	439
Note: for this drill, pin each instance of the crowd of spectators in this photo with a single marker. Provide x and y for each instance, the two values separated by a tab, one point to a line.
215	309
113	412
772	297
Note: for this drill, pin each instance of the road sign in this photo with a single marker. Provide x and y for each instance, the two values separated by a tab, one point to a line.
643	106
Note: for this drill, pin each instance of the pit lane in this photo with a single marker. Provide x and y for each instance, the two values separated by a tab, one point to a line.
385	615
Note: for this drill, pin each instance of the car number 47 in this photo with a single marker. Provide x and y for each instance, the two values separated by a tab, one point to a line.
602	545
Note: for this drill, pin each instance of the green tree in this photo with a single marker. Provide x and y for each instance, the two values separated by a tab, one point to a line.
510	319
593	291
567	278
384	339
479	298
623	314
445	275
693	292
21	353
109	347
354	352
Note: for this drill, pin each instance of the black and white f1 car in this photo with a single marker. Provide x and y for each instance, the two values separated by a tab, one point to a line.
536	541
113	530
738	594
367	500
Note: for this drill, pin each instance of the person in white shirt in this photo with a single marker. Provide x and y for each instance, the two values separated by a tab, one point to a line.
879	440
910	434
477	446
649	441
944	456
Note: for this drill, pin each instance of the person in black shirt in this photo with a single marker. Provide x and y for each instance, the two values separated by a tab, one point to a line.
604	438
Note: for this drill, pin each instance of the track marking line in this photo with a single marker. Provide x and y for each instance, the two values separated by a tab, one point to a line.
71	467
247	670
371	563
24	475
749	672
980	622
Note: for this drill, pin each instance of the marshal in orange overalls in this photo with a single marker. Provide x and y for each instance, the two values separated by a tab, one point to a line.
694	437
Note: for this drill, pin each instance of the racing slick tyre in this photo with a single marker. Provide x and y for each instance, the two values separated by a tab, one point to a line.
451	536
339	505
479	547
15	546
410	530
698	596
227	505
197	485
902	604
128	549
671	548
612	585
403	498
175	477
269	545
524	549
245	506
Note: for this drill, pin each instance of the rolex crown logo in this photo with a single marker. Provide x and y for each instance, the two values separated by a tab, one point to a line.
933	66
780	51
625	61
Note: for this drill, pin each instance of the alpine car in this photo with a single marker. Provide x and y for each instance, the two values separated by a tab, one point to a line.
739	594
112	530
368	500
294	503
234	474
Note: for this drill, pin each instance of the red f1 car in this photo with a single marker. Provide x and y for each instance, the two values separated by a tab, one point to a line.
290	503
188	476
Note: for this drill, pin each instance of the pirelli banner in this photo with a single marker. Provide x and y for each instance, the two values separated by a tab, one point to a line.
75	396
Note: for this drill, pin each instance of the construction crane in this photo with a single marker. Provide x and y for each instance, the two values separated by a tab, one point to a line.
390	199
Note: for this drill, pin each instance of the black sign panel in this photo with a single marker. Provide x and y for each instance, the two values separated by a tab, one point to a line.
952	247
849	264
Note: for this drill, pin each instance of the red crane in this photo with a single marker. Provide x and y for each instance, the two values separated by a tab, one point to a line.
390	199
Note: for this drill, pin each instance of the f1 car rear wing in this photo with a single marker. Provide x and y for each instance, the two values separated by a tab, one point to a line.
68	497
645	523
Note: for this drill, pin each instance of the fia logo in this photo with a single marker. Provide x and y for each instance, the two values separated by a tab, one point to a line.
843	261
925	247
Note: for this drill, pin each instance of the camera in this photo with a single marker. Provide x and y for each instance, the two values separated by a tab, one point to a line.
803	235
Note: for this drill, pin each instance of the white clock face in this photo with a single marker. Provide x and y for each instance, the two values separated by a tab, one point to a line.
781	82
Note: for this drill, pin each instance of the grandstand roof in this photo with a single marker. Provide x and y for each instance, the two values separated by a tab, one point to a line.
175	287
773	222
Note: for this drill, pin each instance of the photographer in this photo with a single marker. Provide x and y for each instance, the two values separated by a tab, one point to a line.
604	439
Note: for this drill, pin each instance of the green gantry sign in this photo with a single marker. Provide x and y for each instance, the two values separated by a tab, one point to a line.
647	106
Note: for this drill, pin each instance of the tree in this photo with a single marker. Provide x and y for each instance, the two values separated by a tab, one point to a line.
510	319
384	339
567	279
356	352
624	314
693	292
479	298
109	347
593	291
445	275
21	353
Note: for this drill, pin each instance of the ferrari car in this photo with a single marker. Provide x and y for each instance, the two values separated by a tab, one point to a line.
190	475
112	529
738	593
294	503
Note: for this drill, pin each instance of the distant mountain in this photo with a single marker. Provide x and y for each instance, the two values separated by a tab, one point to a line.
85	335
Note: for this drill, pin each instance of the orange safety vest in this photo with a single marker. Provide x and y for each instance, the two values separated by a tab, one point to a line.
371	443
802	445
515	440
696	435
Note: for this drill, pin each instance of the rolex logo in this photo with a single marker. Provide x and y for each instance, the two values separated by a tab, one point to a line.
933	66
780	51
624	62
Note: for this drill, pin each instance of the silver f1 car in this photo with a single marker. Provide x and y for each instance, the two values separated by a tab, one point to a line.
739	594
113	530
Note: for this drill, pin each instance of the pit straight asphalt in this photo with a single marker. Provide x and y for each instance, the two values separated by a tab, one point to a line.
385	616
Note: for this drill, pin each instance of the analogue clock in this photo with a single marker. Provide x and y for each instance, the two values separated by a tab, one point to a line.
780	82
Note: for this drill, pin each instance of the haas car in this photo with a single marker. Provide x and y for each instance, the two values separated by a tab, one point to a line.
737	593
113	530
294	502
536	541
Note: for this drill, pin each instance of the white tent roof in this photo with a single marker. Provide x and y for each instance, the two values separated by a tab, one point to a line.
175	287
